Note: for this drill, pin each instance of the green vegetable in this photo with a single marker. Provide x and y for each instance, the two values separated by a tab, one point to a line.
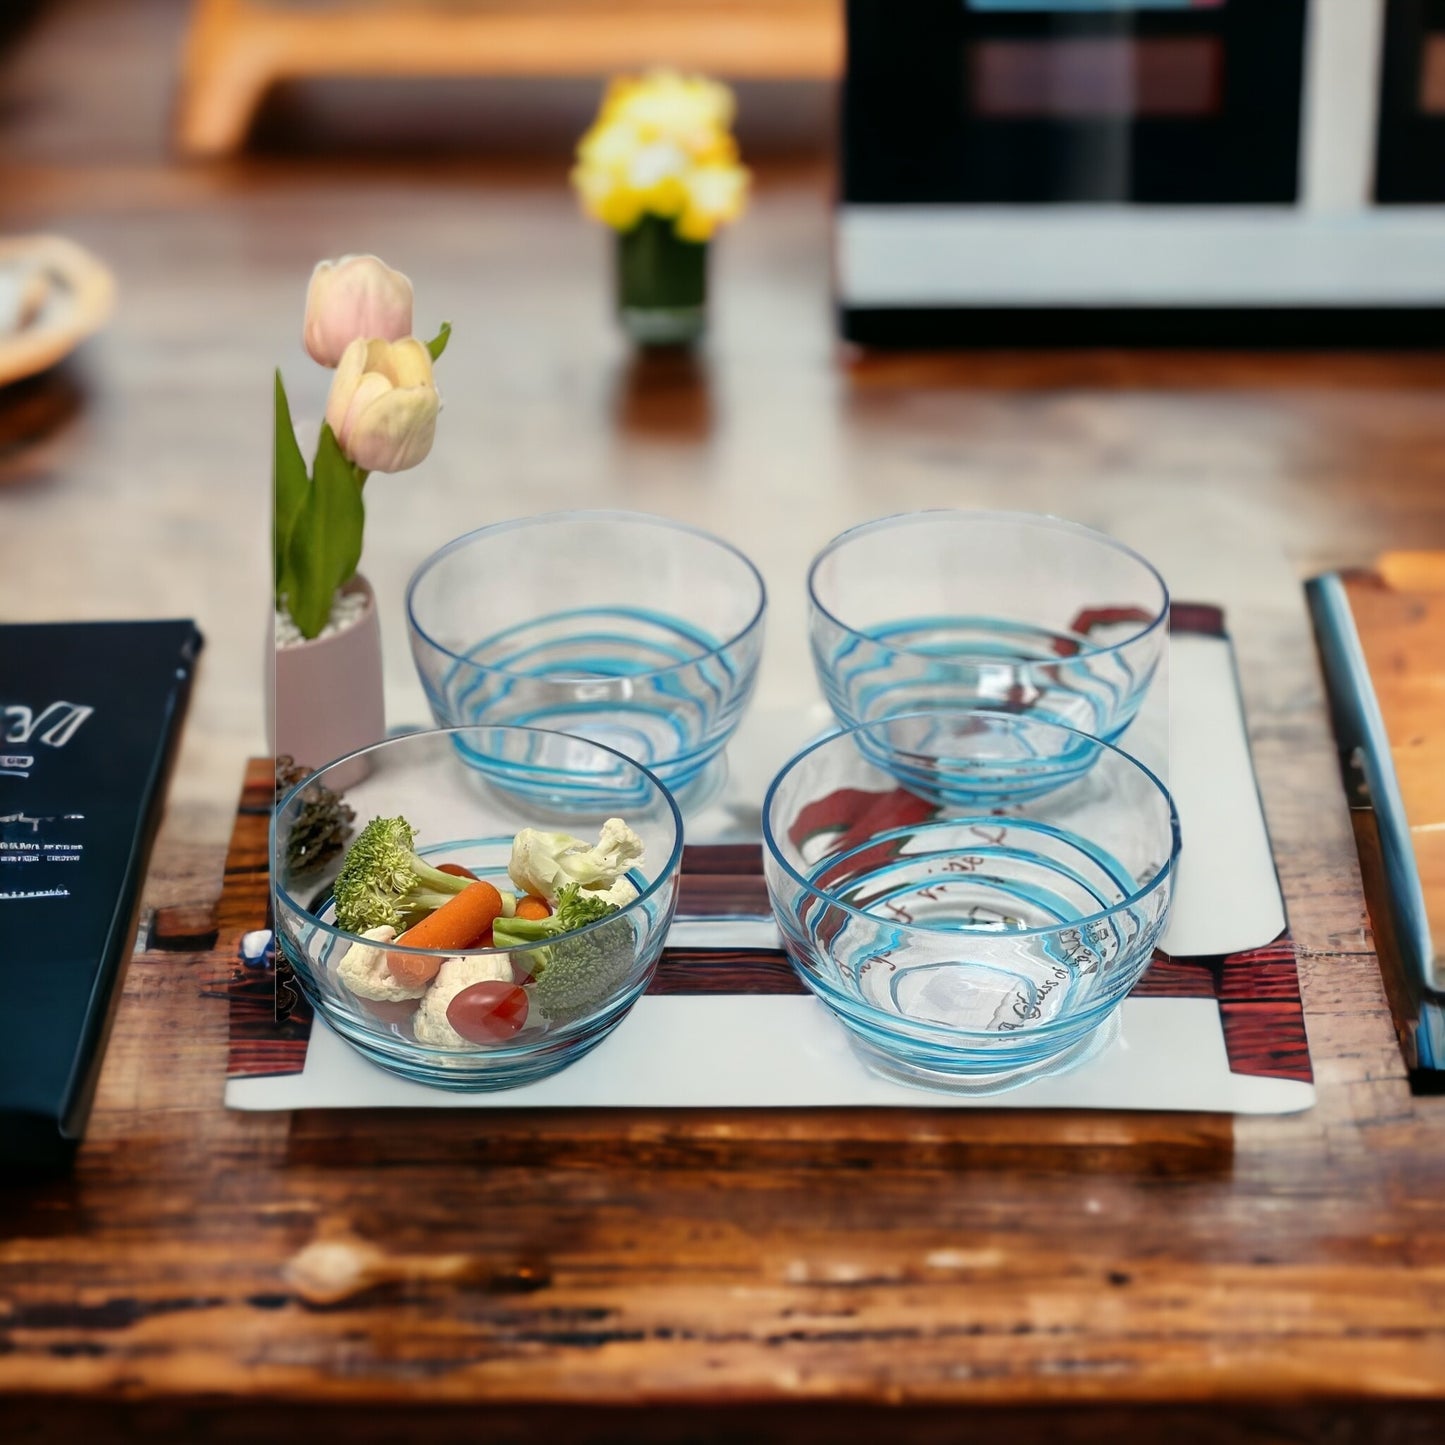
574	976
575	909
322	821
384	882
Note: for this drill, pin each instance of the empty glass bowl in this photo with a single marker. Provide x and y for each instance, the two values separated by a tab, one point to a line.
460	818
968	947
628	630
1007	611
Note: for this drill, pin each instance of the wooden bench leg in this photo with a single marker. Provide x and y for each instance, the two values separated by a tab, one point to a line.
237	49
230	63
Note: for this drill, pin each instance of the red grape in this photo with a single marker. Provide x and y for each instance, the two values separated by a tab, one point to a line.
489	1012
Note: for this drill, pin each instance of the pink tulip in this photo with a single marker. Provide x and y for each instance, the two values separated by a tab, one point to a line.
357	296
383	404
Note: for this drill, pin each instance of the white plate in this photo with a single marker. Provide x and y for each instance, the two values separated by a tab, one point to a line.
53	294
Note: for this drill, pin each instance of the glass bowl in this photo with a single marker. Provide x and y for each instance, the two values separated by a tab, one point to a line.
1007	611
968	947
460	818
628	630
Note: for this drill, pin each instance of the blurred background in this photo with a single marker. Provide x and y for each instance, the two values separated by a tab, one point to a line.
136	81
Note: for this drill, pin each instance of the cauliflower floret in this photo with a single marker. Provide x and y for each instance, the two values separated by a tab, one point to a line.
619	895
430	1024
545	863
367	974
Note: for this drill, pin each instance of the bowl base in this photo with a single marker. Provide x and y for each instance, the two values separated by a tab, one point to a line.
471	1080
466	1071
980	1085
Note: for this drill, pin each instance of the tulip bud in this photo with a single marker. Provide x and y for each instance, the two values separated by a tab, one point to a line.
383	404
355	296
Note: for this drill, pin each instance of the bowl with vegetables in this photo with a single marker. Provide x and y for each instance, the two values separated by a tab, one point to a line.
465	939
628	630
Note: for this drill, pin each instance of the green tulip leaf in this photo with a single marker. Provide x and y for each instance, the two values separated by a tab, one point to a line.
438	343
290	485
343	475
326	540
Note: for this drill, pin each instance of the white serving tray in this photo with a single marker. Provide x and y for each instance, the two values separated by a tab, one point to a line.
769	1051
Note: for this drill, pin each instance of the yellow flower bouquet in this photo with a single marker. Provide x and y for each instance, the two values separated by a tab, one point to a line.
659	165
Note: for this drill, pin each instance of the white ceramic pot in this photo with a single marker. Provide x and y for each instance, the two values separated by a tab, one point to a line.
325	698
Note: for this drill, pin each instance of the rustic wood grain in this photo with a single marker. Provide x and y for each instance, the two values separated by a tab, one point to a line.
1399	614
183	928
707	1276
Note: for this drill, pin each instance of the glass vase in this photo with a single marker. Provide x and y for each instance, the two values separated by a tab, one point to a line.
661	284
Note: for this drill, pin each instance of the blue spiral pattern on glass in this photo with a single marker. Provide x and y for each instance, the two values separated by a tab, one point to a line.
952	662
922	962
655	687
960	940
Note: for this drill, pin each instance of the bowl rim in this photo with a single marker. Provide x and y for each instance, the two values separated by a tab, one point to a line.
579	514
1048	521
664	875
1161	875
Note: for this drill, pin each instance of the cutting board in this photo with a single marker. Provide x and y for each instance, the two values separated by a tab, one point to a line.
1382	641
1399	612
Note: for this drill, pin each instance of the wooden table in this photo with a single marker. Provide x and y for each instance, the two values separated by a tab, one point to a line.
683	1276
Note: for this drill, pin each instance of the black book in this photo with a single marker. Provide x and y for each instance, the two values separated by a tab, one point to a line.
89	717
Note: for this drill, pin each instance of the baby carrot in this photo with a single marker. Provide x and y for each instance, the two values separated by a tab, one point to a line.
460	922
456	870
533	907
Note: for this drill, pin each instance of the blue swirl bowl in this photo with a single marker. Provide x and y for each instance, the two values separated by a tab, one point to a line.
460	817
1005	611
968	947
627	630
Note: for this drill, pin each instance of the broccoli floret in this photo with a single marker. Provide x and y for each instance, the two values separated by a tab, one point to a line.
581	974
574	976
575	909
384	883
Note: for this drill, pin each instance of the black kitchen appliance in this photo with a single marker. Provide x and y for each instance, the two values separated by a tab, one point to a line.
1245	170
